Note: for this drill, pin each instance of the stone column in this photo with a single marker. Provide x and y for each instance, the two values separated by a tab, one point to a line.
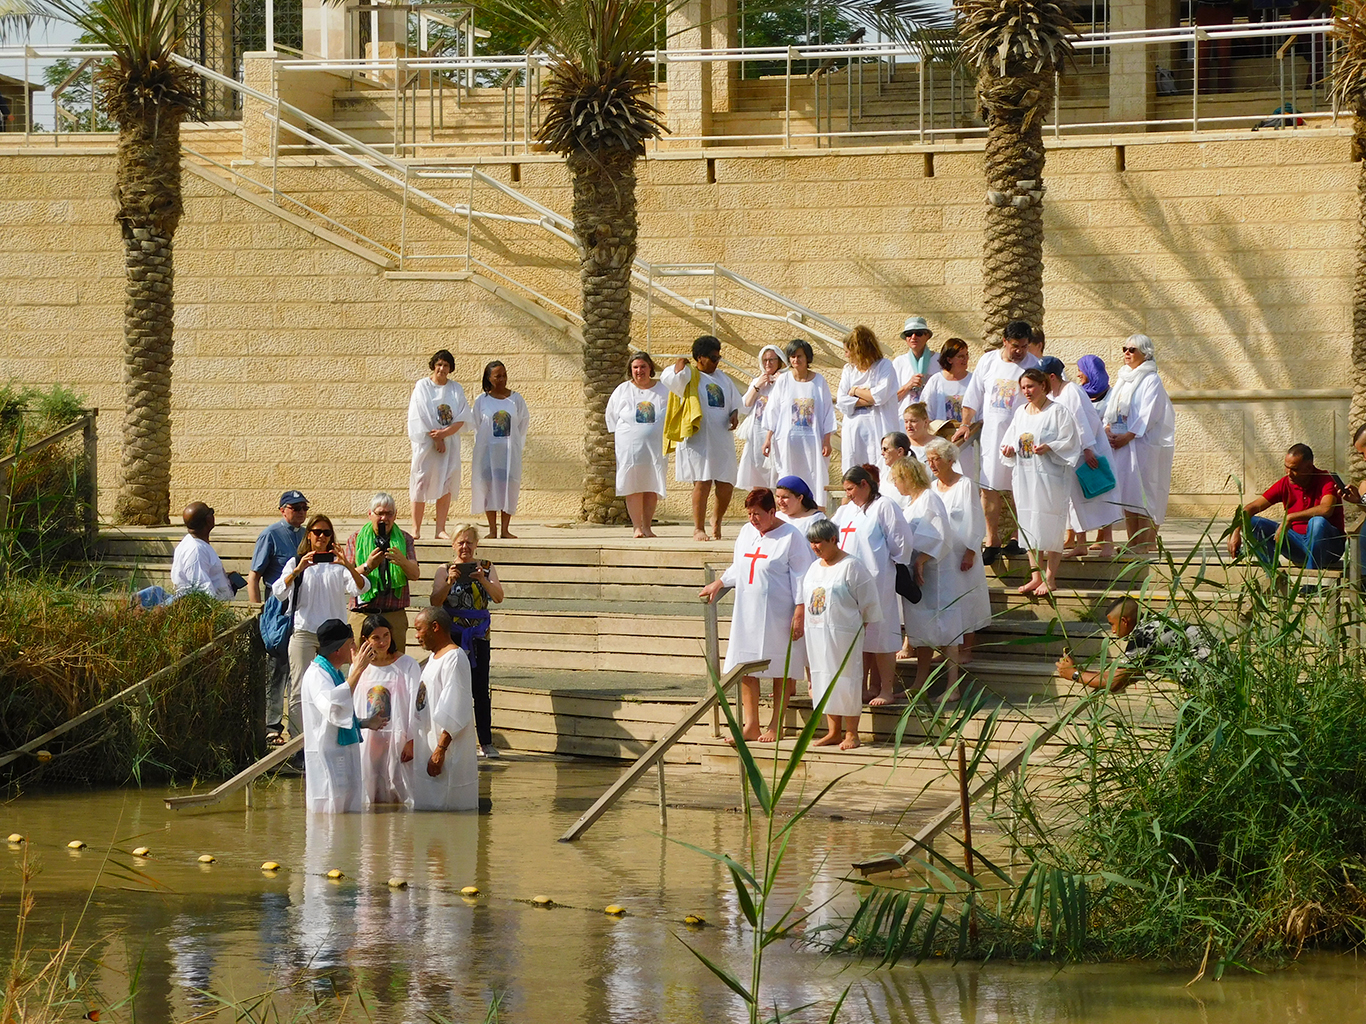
725	32
690	84
1132	79
258	72
325	30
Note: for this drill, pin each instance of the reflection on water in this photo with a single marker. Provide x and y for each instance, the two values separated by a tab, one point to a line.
426	952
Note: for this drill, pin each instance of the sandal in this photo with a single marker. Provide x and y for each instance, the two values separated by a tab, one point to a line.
275	739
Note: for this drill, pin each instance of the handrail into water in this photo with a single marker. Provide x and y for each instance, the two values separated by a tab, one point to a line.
655	755
924	838
123	694
242	780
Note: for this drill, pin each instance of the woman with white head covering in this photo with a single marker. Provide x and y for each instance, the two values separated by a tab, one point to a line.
756	469
964	602
1141	425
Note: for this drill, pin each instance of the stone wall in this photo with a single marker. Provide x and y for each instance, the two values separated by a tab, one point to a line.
295	357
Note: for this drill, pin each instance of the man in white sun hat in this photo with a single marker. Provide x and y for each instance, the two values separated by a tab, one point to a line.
916	365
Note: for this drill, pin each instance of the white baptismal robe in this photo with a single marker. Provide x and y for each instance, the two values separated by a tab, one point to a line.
800	414
964	601
635	417
876	536
767	573
434	474
839	599
1143	467
1085	513
387	690
500	428
756	469
444	702
865	426
943	400
196	568
332	770
710	453
994	395
1042	481
926	522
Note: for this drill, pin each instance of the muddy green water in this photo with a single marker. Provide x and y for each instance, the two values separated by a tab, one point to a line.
425	953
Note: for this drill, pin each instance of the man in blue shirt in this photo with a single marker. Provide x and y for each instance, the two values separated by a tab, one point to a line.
276	545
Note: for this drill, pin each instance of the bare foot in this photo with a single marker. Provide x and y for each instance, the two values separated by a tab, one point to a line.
768	735
964	657
905	654
700	535
1073	554
954	695
884	700
1043	591
1032	587
850	741
716	533
749	735
442	535
650	533
638	534
828	740
491	535
509	536
1105	550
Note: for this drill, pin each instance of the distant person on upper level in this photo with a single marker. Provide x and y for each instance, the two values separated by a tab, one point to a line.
916	365
1312	533
196	567
5	113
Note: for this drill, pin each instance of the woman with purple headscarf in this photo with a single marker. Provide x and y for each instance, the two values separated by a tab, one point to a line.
1095	381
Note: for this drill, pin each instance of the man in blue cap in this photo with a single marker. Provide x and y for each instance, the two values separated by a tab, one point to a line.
276	545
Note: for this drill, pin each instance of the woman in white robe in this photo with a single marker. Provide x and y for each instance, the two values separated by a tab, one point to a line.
965	602
866	399
332	738
757	469
500	425
1043	446
635	417
1141	425
798	422
796	503
943	398
443	703
771	557
926	524
840	599
873	531
437	413
1084	513
386	688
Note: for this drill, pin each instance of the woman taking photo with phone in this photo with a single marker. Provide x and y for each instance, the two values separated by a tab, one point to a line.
464	586
314	586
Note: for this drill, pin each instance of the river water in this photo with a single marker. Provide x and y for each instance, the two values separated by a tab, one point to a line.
358	949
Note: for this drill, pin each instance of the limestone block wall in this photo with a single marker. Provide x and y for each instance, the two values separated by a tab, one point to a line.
295	359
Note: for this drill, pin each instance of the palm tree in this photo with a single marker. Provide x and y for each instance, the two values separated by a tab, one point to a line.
598	115
148	95
1015	47
1349	93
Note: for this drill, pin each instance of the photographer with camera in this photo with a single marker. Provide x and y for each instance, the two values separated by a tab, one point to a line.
313	587
464	587
388	558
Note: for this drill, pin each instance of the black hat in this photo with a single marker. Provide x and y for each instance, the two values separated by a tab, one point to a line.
332	637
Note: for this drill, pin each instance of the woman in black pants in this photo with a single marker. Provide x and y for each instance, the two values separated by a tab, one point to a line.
464	587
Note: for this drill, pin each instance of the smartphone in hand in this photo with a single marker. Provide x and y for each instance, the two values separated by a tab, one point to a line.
324	556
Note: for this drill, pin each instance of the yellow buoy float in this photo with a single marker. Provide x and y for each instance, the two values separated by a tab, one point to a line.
335	874
542	901
470	891
694	921
398	883
43	756
207	858
15	838
270	865
614	910
142	851
75	844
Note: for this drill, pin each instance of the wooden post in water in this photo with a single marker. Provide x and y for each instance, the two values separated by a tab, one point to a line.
967	825
663	807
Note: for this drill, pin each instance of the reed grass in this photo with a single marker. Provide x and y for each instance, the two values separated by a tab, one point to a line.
65	649
1219	823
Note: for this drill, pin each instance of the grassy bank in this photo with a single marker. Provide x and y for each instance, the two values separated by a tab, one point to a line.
1218	823
64	649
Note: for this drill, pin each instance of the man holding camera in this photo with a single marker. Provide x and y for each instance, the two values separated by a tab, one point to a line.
387	557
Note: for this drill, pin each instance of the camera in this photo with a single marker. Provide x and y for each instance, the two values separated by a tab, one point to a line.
382	539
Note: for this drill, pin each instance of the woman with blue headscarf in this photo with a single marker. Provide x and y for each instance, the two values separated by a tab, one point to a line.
796	503
1094	379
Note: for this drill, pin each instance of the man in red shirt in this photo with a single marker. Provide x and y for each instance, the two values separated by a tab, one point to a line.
1312	534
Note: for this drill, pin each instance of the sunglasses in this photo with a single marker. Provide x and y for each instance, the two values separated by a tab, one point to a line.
914	334
321	533
1129	350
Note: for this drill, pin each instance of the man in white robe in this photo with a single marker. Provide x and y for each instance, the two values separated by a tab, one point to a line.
332	733
992	397
771	557
708	456
440	760
195	566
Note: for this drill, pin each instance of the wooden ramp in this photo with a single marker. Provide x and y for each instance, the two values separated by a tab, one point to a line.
241	781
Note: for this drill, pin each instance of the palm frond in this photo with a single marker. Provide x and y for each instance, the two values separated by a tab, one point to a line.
1348	87
1012	37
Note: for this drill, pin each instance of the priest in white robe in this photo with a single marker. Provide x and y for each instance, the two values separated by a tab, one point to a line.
1043	445
441	760
993	397
771	557
332	734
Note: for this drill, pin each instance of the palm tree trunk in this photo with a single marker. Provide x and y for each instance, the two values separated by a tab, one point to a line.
605	224
148	193
1358	410
1012	257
